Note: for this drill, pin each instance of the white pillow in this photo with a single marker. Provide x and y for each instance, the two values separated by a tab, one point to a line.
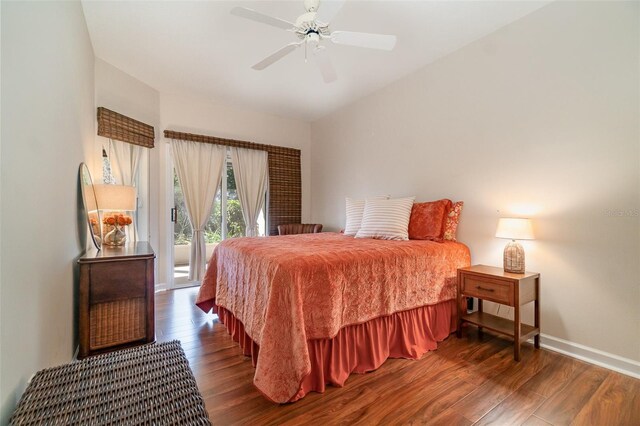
386	219
355	208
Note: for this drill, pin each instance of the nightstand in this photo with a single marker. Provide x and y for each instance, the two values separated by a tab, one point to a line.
496	285
116	301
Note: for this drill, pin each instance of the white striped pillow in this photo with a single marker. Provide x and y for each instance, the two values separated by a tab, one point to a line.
355	208
386	219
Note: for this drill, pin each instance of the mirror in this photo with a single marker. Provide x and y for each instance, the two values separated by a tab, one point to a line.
90	205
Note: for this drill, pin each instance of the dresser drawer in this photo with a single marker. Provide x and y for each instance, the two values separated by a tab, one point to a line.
111	281
116	323
488	289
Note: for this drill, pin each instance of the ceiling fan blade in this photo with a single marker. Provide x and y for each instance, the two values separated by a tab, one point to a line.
324	63
245	12
328	10
371	41
276	56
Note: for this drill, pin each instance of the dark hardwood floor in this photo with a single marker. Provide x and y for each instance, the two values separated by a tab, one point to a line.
466	381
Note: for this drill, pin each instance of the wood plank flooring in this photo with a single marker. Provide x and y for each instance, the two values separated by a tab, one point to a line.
466	381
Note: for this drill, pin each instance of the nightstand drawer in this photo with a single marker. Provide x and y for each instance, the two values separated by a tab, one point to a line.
111	281
487	289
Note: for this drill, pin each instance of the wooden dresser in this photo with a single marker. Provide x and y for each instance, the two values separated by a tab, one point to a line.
116	300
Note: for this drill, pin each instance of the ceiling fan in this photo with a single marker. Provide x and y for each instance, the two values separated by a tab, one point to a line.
311	29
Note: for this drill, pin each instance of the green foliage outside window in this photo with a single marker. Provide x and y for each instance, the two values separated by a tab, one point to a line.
213	228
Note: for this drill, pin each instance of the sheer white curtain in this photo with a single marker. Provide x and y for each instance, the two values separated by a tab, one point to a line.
250	168
199	168
125	162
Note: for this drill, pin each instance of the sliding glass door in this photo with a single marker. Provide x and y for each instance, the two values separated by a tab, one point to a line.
225	221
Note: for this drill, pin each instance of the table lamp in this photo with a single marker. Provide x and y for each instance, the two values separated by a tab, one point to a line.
514	229
115	199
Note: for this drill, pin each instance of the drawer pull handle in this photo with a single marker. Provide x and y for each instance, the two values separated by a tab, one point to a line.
485	289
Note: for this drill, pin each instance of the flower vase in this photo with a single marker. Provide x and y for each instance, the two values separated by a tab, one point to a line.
116	237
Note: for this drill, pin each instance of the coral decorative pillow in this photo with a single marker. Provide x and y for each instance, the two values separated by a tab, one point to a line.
428	220
453	218
355	209
386	219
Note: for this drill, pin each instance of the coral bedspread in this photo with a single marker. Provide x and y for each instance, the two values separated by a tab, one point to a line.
289	289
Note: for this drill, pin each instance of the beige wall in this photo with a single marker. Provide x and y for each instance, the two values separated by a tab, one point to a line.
204	116
125	94
47	130
537	119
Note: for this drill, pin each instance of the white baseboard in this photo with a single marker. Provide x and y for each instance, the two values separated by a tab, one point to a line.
163	286
187	284
613	362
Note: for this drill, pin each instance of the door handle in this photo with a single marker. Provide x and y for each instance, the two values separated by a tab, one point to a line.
174	215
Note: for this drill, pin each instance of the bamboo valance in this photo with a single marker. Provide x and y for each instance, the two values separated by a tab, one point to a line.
117	126
285	178
170	134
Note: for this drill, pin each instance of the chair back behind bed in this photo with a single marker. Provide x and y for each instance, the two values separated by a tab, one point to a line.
299	228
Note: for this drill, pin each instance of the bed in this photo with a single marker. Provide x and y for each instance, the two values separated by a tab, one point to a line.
311	309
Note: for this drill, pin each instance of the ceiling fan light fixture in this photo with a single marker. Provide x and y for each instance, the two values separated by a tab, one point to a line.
313	38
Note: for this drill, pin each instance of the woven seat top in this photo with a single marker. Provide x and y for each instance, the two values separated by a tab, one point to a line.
150	384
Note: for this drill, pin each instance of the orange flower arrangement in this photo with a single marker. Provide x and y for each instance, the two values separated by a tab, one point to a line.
117	219
114	232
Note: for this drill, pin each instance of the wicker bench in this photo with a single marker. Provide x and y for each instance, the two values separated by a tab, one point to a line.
150	384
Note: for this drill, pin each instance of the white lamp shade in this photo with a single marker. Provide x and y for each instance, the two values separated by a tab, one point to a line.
115	197
511	228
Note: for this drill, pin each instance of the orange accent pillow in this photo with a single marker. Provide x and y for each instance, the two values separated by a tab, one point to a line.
427	220
453	218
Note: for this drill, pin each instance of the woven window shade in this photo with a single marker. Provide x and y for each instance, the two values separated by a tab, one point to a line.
120	127
285	190
285	179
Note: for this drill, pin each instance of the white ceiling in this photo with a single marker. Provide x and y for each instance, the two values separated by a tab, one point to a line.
199	49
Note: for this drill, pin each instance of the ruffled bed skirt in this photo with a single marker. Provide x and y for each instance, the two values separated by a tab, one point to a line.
362	347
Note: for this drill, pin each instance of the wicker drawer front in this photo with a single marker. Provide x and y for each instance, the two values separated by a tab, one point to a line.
487	289
112	281
115	323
